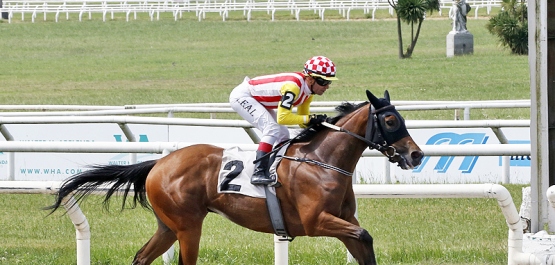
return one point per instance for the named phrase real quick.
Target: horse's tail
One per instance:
(118, 176)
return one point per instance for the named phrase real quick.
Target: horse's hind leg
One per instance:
(160, 242)
(189, 240)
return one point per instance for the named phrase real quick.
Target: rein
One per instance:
(388, 150)
(318, 163)
(373, 133)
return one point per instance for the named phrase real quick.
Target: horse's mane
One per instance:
(344, 109)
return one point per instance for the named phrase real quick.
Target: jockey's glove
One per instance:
(316, 119)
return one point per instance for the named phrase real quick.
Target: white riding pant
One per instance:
(257, 115)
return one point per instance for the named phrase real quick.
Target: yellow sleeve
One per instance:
(285, 115)
(304, 109)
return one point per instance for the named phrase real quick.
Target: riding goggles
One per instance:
(321, 81)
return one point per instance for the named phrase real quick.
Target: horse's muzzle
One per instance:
(409, 161)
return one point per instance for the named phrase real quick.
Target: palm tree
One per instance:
(411, 12)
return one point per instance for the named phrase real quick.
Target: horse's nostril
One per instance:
(417, 155)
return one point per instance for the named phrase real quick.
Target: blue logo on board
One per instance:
(468, 163)
(450, 138)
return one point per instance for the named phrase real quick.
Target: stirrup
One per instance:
(262, 180)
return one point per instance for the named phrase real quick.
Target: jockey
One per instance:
(267, 103)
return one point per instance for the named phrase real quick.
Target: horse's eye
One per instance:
(390, 120)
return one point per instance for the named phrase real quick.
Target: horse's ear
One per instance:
(373, 99)
(376, 102)
(386, 96)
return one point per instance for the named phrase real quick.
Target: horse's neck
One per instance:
(339, 148)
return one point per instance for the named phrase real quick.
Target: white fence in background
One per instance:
(214, 108)
(107, 8)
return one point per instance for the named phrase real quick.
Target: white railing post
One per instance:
(466, 113)
(169, 255)
(11, 165)
(281, 250)
(11, 158)
(506, 160)
(82, 230)
(506, 172)
(131, 138)
(387, 171)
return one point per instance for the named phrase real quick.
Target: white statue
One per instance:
(458, 14)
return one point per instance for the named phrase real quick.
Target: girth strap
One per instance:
(272, 202)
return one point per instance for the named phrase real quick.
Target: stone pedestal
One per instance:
(459, 43)
(4, 14)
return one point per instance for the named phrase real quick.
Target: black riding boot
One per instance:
(261, 175)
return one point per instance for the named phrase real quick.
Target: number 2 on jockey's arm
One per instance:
(285, 115)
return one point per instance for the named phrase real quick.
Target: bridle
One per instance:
(377, 137)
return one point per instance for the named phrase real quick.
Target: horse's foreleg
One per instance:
(357, 240)
(156, 246)
(362, 249)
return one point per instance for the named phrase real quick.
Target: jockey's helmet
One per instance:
(320, 66)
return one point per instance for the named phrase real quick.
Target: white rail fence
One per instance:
(12, 145)
(107, 8)
(213, 108)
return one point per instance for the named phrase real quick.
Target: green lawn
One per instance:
(405, 231)
(144, 62)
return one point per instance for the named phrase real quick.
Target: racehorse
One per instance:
(317, 198)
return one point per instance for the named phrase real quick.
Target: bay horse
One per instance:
(317, 199)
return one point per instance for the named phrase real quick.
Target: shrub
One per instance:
(511, 26)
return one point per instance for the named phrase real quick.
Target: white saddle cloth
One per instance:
(236, 171)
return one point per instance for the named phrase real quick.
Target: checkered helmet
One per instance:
(320, 66)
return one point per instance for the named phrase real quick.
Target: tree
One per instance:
(510, 25)
(411, 12)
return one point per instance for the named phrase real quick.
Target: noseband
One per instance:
(377, 136)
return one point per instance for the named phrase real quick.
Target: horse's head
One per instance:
(386, 132)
